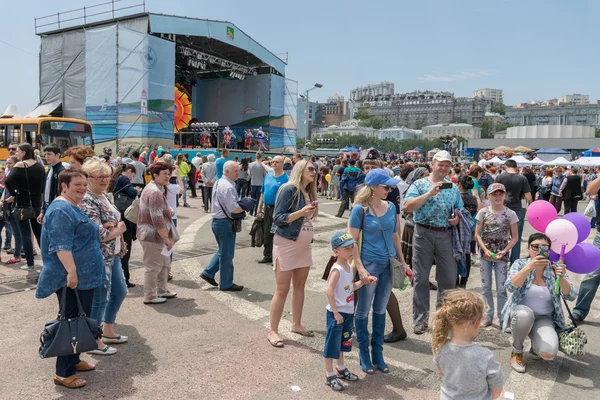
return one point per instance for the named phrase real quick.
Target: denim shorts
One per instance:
(339, 336)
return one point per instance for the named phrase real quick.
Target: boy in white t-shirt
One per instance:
(340, 310)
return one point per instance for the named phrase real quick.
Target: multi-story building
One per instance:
(305, 120)
(335, 113)
(490, 94)
(377, 89)
(574, 99)
(396, 133)
(399, 133)
(334, 98)
(418, 109)
(586, 115)
(465, 130)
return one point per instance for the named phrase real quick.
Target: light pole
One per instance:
(316, 86)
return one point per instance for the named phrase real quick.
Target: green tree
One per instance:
(361, 115)
(419, 124)
(487, 130)
(597, 132)
(300, 143)
(499, 108)
(376, 123)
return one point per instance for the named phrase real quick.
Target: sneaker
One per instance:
(10, 251)
(105, 351)
(186, 205)
(334, 383)
(129, 284)
(115, 339)
(7, 247)
(487, 321)
(508, 330)
(420, 329)
(533, 355)
(517, 363)
(156, 300)
(577, 317)
(27, 268)
(168, 295)
(346, 375)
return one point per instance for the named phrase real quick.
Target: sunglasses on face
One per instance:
(537, 247)
(387, 188)
(12, 149)
(311, 169)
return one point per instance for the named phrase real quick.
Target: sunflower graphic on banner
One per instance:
(183, 108)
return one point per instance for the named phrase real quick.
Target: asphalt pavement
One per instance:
(208, 344)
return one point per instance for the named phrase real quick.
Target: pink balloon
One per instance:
(540, 213)
(561, 231)
(581, 222)
(583, 259)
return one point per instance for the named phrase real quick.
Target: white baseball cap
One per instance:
(442, 155)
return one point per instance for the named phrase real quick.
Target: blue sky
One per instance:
(531, 49)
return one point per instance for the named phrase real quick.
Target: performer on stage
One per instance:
(261, 138)
(205, 138)
(248, 137)
(227, 138)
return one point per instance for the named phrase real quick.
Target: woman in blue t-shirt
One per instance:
(376, 218)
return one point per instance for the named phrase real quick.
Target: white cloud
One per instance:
(460, 76)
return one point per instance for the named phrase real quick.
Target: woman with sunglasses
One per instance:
(533, 309)
(295, 208)
(377, 219)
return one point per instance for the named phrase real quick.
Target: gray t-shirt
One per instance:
(257, 173)
(470, 372)
(140, 171)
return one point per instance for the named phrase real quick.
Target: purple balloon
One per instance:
(554, 257)
(582, 223)
(583, 259)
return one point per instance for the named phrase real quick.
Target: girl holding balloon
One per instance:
(534, 309)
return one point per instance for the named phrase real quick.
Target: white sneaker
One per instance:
(105, 351)
(156, 300)
(167, 295)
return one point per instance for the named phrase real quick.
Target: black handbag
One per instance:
(122, 200)
(67, 336)
(28, 212)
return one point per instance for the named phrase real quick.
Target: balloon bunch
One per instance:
(567, 235)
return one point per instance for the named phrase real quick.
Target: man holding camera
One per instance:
(433, 200)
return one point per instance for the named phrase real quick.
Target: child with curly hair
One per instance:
(468, 370)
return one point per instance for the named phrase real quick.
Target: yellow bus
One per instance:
(65, 132)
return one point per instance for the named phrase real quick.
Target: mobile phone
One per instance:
(314, 203)
(544, 253)
(446, 185)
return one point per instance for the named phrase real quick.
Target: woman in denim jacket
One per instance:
(70, 246)
(295, 208)
(533, 309)
(108, 297)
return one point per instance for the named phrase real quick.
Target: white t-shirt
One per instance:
(173, 191)
(481, 163)
(197, 161)
(344, 291)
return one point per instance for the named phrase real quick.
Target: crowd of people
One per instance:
(442, 214)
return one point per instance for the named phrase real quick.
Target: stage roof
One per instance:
(224, 38)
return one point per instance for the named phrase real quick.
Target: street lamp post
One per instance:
(316, 86)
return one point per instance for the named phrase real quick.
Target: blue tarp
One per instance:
(351, 149)
(420, 150)
(593, 152)
(552, 151)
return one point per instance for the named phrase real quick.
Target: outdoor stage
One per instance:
(142, 79)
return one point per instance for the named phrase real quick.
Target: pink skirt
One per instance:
(294, 254)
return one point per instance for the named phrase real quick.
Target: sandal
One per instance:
(306, 333)
(276, 343)
(84, 366)
(346, 375)
(72, 382)
(13, 261)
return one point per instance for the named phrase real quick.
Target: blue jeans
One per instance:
(587, 289)
(374, 295)
(499, 268)
(241, 185)
(515, 253)
(14, 227)
(255, 194)
(26, 227)
(109, 297)
(222, 261)
(185, 188)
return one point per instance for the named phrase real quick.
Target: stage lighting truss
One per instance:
(198, 60)
(201, 126)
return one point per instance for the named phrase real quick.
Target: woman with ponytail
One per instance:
(460, 318)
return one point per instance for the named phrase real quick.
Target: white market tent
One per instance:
(497, 160)
(587, 161)
(537, 161)
(520, 160)
(560, 161)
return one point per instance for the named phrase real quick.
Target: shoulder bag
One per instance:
(67, 336)
(236, 224)
(122, 200)
(333, 259)
(573, 340)
(28, 212)
(397, 274)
